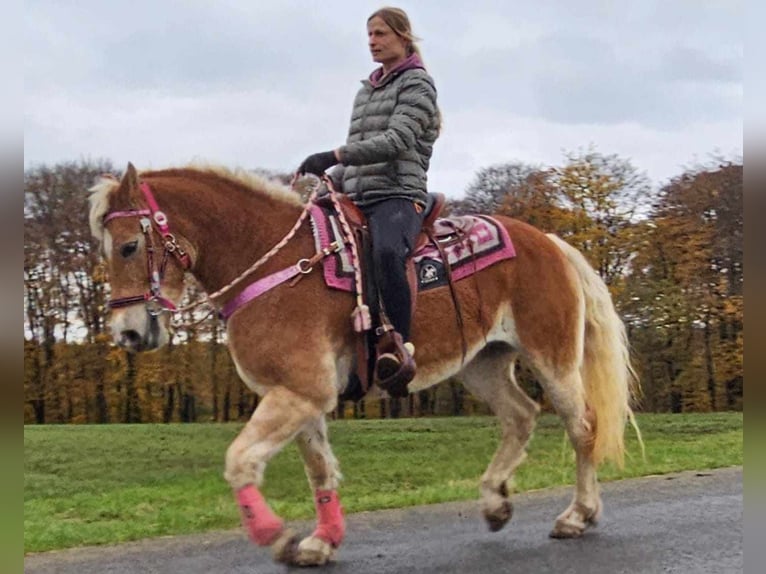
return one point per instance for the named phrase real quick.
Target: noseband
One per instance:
(152, 217)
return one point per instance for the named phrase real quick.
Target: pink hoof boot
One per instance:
(262, 525)
(331, 527)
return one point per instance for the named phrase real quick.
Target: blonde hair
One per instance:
(399, 22)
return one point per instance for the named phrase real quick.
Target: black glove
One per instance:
(317, 163)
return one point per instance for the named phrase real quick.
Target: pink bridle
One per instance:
(155, 302)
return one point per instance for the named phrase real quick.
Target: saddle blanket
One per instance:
(470, 242)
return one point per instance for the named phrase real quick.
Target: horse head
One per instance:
(145, 275)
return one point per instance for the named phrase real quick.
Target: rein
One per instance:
(300, 267)
(294, 272)
(156, 303)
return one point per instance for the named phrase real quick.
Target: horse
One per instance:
(546, 307)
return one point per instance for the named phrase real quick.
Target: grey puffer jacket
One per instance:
(394, 124)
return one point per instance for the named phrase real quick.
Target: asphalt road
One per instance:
(689, 522)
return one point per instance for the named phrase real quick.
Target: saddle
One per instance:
(379, 337)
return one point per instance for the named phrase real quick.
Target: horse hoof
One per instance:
(313, 551)
(499, 517)
(285, 547)
(593, 518)
(566, 529)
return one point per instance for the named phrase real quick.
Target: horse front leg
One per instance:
(324, 476)
(279, 417)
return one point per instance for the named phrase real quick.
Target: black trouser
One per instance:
(394, 225)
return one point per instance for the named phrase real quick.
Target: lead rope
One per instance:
(360, 316)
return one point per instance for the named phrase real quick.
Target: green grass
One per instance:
(86, 485)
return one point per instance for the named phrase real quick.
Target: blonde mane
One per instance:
(252, 180)
(99, 203)
(106, 184)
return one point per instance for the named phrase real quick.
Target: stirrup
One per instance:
(395, 369)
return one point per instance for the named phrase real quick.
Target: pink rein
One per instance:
(302, 267)
(158, 218)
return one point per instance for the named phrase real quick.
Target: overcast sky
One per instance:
(261, 84)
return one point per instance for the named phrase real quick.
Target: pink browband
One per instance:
(117, 214)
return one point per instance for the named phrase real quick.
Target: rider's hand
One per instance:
(317, 163)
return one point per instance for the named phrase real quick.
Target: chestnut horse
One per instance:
(295, 345)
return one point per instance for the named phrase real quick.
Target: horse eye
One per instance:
(128, 249)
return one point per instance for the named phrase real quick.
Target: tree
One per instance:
(491, 185)
(61, 300)
(687, 284)
(604, 193)
(673, 261)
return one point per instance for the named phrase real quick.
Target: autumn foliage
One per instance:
(672, 257)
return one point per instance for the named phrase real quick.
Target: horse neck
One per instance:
(230, 227)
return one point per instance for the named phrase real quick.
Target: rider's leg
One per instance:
(394, 225)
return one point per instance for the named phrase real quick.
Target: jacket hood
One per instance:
(412, 61)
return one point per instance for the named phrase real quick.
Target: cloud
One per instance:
(503, 138)
(262, 84)
(680, 63)
(582, 79)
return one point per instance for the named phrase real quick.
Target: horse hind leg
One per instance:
(490, 377)
(279, 417)
(567, 395)
(324, 476)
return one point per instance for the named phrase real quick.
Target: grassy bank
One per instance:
(88, 485)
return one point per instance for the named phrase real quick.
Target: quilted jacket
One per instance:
(394, 124)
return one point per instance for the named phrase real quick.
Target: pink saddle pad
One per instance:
(470, 242)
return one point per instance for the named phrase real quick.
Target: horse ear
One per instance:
(128, 187)
(131, 177)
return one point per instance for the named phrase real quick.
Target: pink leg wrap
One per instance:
(262, 525)
(331, 527)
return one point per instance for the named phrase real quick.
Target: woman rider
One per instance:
(383, 165)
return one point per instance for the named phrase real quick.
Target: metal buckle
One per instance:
(160, 218)
(304, 266)
(170, 242)
(334, 247)
(382, 330)
(154, 307)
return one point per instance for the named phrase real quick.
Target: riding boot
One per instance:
(395, 366)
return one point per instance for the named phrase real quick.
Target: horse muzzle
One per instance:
(131, 341)
(141, 330)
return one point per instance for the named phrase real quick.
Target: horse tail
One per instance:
(611, 383)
